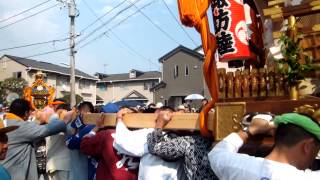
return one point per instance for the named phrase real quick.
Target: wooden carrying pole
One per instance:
(139, 120)
(224, 120)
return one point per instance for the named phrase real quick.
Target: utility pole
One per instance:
(72, 15)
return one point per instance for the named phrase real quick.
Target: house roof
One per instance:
(198, 48)
(178, 49)
(135, 95)
(125, 76)
(158, 86)
(49, 67)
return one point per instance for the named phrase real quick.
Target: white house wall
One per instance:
(117, 91)
(88, 93)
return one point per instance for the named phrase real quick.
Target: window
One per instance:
(4, 64)
(176, 71)
(17, 74)
(63, 81)
(45, 79)
(186, 70)
(132, 74)
(124, 86)
(81, 84)
(102, 86)
(145, 86)
(84, 84)
(87, 84)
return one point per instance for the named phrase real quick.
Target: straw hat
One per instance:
(4, 129)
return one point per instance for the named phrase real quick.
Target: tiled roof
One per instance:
(125, 76)
(45, 66)
(178, 49)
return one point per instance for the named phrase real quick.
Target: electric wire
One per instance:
(178, 22)
(120, 22)
(99, 18)
(34, 44)
(119, 39)
(45, 53)
(154, 24)
(24, 11)
(105, 23)
(46, 9)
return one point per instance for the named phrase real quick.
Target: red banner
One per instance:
(231, 30)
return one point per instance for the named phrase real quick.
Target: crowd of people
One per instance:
(74, 150)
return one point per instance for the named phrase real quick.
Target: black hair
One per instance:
(151, 105)
(164, 108)
(290, 134)
(64, 106)
(149, 110)
(86, 103)
(19, 107)
(59, 99)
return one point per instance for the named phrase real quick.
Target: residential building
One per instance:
(134, 85)
(55, 75)
(182, 76)
(218, 63)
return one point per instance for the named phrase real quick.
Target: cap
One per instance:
(159, 105)
(299, 120)
(181, 107)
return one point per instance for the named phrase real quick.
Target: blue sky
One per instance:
(106, 54)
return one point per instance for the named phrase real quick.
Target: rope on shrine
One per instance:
(193, 14)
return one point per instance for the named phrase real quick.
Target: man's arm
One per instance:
(132, 143)
(169, 149)
(92, 144)
(73, 141)
(224, 157)
(31, 131)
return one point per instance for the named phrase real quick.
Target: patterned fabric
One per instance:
(192, 150)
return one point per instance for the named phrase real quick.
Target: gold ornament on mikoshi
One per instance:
(39, 94)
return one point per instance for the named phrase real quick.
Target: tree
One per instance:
(66, 98)
(12, 85)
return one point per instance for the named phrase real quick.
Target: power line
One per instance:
(174, 17)
(105, 23)
(29, 16)
(99, 18)
(118, 38)
(48, 52)
(133, 50)
(33, 7)
(34, 44)
(123, 20)
(154, 24)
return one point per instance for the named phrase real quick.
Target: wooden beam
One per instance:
(298, 10)
(186, 121)
(316, 27)
(275, 2)
(226, 118)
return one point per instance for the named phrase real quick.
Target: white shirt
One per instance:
(229, 165)
(58, 155)
(134, 143)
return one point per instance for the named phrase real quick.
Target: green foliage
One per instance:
(66, 98)
(9, 85)
(2, 93)
(291, 65)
